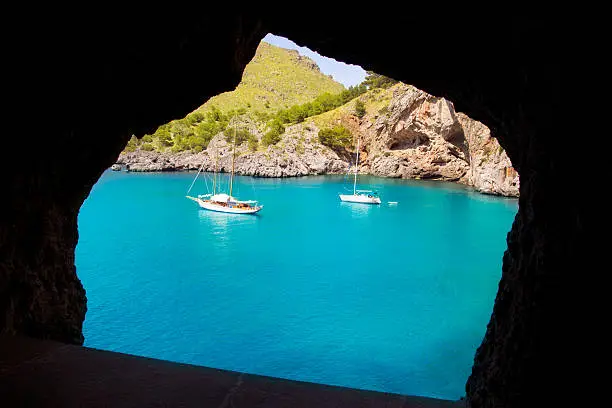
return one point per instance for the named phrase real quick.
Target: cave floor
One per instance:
(40, 373)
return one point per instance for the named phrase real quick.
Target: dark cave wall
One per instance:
(505, 72)
(40, 294)
(100, 83)
(81, 88)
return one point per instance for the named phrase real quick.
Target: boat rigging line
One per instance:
(196, 177)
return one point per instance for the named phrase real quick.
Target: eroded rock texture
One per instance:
(296, 155)
(490, 170)
(101, 82)
(416, 135)
(420, 136)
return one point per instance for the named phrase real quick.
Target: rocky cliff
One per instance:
(298, 154)
(412, 135)
(418, 136)
(421, 136)
(490, 168)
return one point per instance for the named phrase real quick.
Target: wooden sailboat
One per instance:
(360, 196)
(222, 202)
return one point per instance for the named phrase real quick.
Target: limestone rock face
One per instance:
(297, 154)
(490, 168)
(420, 136)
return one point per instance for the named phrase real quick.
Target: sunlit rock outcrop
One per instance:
(418, 136)
(490, 170)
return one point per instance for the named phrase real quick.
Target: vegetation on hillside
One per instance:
(374, 80)
(360, 109)
(273, 135)
(336, 138)
(276, 78)
(295, 78)
(197, 129)
(238, 136)
(323, 103)
(375, 101)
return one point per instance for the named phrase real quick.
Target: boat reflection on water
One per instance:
(220, 222)
(358, 210)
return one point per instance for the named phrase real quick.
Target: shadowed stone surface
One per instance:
(35, 373)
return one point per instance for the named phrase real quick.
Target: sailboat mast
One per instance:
(233, 159)
(215, 174)
(356, 167)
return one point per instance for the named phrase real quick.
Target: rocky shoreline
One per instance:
(418, 136)
(294, 156)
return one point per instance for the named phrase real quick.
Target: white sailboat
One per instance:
(360, 196)
(222, 202)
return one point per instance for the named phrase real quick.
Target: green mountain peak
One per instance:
(276, 78)
(277, 81)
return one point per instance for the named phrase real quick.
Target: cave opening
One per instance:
(80, 71)
(194, 294)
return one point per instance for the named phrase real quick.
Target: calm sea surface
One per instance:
(392, 298)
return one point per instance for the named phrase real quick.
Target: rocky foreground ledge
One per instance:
(418, 136)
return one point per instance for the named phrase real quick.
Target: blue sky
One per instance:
(346, 74)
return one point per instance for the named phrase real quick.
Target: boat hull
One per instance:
(360, 199)
(210, 206)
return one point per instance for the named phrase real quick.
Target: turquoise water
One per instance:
(388, 298)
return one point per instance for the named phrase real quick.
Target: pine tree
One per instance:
(360, 109)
